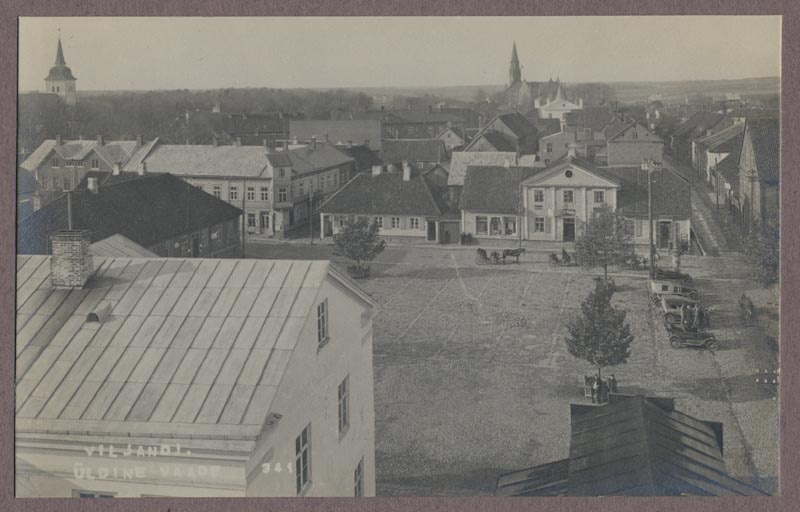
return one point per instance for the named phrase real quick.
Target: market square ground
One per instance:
(472, 377)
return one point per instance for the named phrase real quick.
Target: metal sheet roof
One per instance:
(196, 342)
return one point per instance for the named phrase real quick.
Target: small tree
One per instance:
(600, 334)
(359, 241)
(762, 252)
(604, 240)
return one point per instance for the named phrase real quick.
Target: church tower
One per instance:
(515, 72)
(60, 80)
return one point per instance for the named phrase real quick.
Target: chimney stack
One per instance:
(59, 140)
(377, 170)
(71, 263)
(139, 140)
(92, 185)
(142, 168)
(100, 140)
(571, 150)
(116, 169)
(406, 171)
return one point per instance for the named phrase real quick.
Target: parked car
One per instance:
(671, 275)
(660, 287)
(671, 307)
(679, 337)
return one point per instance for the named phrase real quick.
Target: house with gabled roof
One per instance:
(712, 149)
(190, 377)
(510, 132)
(406, 205)
(697, 125)
(632, 143)
(760, 175)
(663, 452)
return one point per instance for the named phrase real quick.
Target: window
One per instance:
(217, 191)
(233, 193)
(510, 225)
(336, 180)
(639, 228)
(635, 134)
(95, 164)
(395, 222)
(251, 220)
(599, 196)
(358, 477)
(481, 226)
(322, 322)
(379, 221)
(538, 195)
(251, 193)
(569, 196)
(55, 163)
(264, 193)
(67, 184)
(630, 227)
(344, 405)
(281, 195)
(56, 184)
(301, 188)
(264, 220)
(494, 226)
(414, 223)
(281, 172)
(538, 225)
(549, 147)
(302, 454)
(200, 186)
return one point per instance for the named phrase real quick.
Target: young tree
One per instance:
(359, 241)
(600, 334)
(604, 240)
(762, 252)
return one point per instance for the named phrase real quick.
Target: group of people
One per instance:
(694, 317)
(601, 388)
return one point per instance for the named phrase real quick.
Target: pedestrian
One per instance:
(596, 390)
(683, 315)
(591, 381)
(612, 383)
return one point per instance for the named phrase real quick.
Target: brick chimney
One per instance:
(406, 171)
(142, 169)
(92, 185)
(116, 169)
(100, 140)
(71, 263)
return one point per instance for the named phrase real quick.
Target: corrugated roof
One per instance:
(339, 132)
(494, 189)
(385, 194)
(633, 446)
(147, 209)
(204, 160)
(460, 160)
(190, 344)
(413, 150)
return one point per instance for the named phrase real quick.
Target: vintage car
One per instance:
(672, 275)
(671, 307)
(679, 337)
(661, 287)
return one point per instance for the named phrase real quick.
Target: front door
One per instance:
(195, 246)
(431, 230)
(569, 230)
(264, 220)
(327, 226)
(663, 235)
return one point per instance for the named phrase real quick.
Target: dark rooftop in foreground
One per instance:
(633, 446)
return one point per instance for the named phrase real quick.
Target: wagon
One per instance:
(679, 338)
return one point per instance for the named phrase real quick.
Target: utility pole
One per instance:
(311, 215)
(647, 165)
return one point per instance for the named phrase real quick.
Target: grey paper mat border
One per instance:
(790, 298)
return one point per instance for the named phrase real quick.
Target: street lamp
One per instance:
(648, 165)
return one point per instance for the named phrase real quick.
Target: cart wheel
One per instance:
(670, 318)
(675, 342)
(711, 345)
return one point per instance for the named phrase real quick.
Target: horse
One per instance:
(514, 253)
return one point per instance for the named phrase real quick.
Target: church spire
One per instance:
(515, 72)
(60, 53)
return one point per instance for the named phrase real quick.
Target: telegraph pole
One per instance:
(648, 166)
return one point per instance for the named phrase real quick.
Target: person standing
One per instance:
(612, 383)
(596, 390)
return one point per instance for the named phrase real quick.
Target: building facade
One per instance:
(225, 378)
(632, 144)
(759, 175)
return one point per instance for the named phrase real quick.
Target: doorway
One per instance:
(431, 230)
(569, 230)
(664, 237)
(195, 245)
(327, 226)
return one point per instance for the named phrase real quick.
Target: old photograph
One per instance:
(397, 256)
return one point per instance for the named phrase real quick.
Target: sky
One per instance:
(209, 53)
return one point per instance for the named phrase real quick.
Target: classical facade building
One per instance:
(60, 80)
